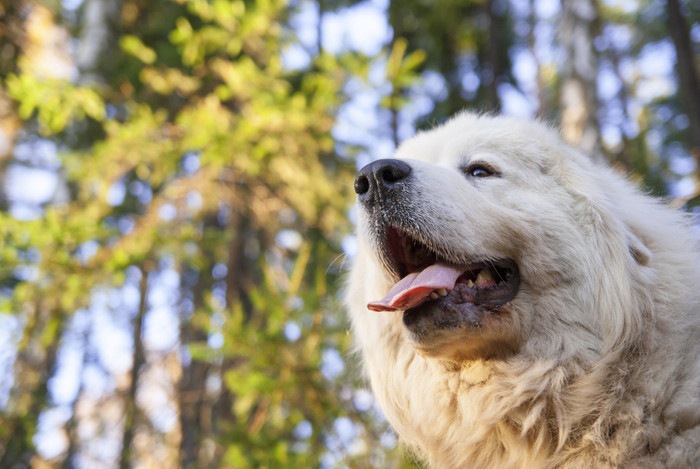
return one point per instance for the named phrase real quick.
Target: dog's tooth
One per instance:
(484, 276)
(442, 292)
(470, 284)
(434, 296)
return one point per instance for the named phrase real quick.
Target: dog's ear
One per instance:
(638, 249)
(599, 202)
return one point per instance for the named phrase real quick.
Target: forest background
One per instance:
(176, 199)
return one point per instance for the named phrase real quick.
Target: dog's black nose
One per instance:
(380, 176)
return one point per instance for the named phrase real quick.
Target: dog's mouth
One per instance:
(427, 279)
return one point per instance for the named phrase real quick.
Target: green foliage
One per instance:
(56, 103)
(402, 73)
(266, 163)
(132, 45)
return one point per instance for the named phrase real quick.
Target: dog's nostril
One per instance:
(391, 171)
(361, 184)
(390, 174)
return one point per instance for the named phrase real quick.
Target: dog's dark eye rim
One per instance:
(480, 170)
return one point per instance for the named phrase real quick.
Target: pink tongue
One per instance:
(414, 288)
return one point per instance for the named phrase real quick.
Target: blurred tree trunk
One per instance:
(687, 73)
(240, 274)
(138, 360)
(9, 125)
(621, 155)
(578, 99)
(193, 402)
(203, 414)
(319, 27)
(240, 279)
(394, 108)
(34, 366)
(543, 89)
(74, 447)
(35, 361)
(12, 37)
(99, 26)
(493, 66)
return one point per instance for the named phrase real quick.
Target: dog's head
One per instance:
(484, 226)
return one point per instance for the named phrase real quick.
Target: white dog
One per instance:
(517, 305)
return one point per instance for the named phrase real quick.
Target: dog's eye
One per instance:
(479, 170)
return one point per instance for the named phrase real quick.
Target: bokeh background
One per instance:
(176, 200)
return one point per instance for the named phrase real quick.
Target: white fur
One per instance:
(606, 367)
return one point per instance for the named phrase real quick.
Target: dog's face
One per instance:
(469, 228)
